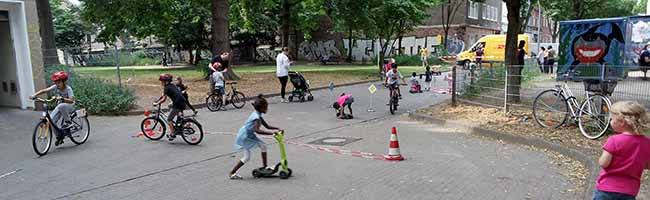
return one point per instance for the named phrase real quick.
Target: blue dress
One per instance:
(246, 138)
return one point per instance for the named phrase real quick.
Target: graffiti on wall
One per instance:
(315, 50)
(589, 46)
(364, 50)
(265, 53)
(455, 45)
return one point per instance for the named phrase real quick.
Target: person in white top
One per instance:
(282, 70)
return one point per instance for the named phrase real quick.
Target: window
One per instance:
(473, 10)
(490, 12)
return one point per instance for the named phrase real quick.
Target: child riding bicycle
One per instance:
(219, 84)
(178, 101)
(65, 100)
(393, 78)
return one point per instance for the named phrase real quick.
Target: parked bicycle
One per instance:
(215, 101)
(552, 107)
(78, 131)
(154, 127)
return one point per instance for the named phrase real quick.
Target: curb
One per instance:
(139, 111)
(585, 159)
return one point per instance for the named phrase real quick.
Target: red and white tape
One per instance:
(340, 151)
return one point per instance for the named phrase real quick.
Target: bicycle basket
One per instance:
(601, 87)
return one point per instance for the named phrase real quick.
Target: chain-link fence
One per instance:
(502, 87)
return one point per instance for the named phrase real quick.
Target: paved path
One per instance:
(115, 165)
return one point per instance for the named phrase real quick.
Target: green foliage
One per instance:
(560, 10)
(69, 30)
(406, 60)
(202, 66)
(183, 23)
(138, 58)
(98, 96)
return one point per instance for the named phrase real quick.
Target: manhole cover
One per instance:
(334, 141)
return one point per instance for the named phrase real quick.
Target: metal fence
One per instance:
(490, 86)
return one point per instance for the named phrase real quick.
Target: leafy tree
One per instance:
(70, 32)
(514, 28)
(391, 18)
(350, 16)
(449, 8)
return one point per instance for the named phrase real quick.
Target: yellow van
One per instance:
(495, 49)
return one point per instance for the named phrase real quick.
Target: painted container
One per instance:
(593, 48)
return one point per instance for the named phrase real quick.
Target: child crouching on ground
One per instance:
(247, 140)
(340, 104)
(625, 155)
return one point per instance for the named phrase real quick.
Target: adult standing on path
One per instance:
(644, 60)
(282, 70)
(215, 64)
(550, 59)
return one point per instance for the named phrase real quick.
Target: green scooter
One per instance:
(282, 166)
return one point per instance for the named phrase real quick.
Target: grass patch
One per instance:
(193, 72)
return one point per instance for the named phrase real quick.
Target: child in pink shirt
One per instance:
(340, 104)
(625, 155)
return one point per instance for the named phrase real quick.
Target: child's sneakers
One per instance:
(235, 177)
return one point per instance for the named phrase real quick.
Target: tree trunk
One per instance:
(512, 64)
(46, 29)
(285, 17)
(220, 33)
(191, 55)
(349, 59)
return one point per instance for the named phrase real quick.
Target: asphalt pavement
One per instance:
(117, 164)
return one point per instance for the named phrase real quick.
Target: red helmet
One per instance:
(59, 76)
(165, 77)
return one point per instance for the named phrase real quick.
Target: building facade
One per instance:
(21, 60)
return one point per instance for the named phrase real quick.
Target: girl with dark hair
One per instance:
(247, 140)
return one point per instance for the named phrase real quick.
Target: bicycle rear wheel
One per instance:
(393, 105)
(594, 118)
(213, 102)
(153, 128)
(42, 138)
(238, 100)
(192, 132)
(550, 109)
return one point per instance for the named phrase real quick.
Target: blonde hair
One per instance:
(632, 113)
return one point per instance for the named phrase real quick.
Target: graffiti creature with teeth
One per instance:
(591, 47)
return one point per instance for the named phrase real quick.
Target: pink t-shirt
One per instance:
(342, 99)
(630, 155)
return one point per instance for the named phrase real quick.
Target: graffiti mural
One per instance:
(365, 50)
(455, 45)
(265, 53)
(592, 48)
(316, 49)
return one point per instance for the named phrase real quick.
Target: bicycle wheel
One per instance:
(238, 100)
(42, 138)
(153, 128)
(80, 131)
(192, 132)
(392, 106)
(594, 118)
(213, 102)
(550, 109)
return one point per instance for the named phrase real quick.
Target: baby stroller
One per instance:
(300, 88)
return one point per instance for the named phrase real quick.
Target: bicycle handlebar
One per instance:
(44, 100)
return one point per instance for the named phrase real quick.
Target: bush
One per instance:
(98, 96)
(202, 67)
(137, 58)
(406, 60)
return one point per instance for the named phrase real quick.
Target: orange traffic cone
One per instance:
(393, 148)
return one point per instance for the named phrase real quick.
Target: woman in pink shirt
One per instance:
(341, 102)
(625, 155)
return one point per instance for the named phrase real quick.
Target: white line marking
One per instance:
(9, 173)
